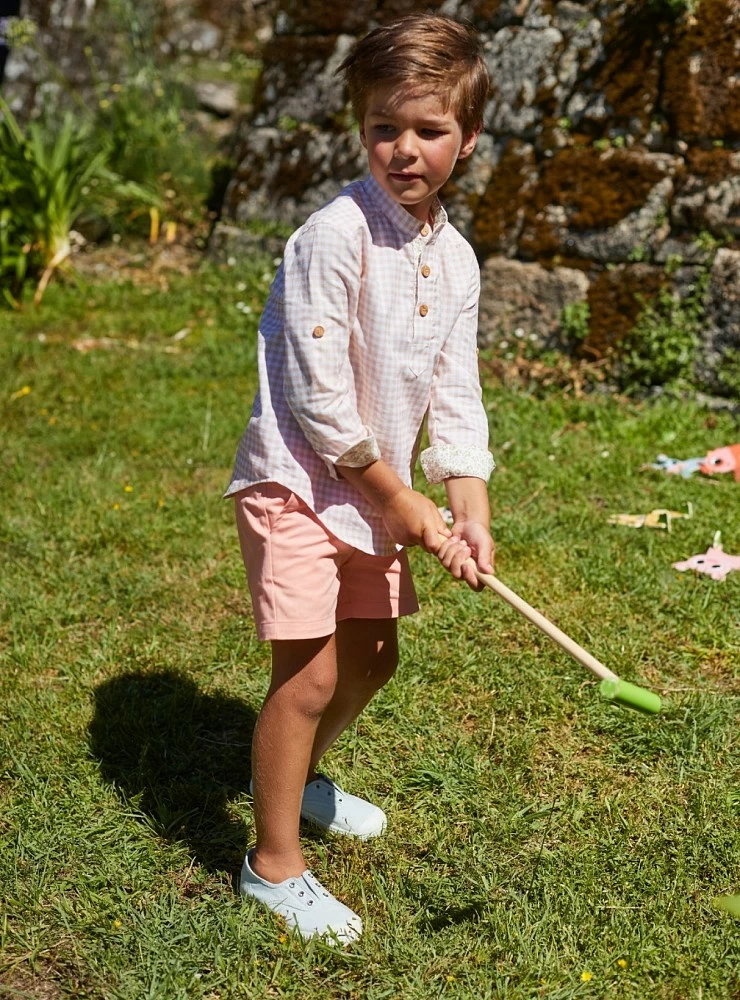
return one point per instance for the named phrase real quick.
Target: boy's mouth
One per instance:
(398, 176)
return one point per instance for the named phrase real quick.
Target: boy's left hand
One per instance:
(470, 540)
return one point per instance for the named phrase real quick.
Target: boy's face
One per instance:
(412, 145)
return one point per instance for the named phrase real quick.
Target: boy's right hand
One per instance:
(413, 519)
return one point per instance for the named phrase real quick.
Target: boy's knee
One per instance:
(318, 684)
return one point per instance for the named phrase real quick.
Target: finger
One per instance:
(432, 538)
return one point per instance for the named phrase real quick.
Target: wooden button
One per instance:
(423, 310)
(426, 271)
(425, 231)
(318, 331)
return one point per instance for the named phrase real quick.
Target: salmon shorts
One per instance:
(302, 578)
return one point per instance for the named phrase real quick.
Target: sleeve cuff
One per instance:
(444, 460)
(356, 457)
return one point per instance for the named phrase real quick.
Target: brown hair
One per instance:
(426, 51)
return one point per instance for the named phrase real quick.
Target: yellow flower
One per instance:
(21, 392)
(160, 502)
(52, 421)
(586, 976)
(283, 938)
(116, 506)
(115, 87)
(128, 488)
(44, 412)
(622, 963)
(105, 103)
(450, 979)
(117, 924)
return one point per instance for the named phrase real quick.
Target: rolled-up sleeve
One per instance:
(457, 422)
(322, 270)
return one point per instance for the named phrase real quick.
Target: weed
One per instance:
(46, 179)
(574, 323)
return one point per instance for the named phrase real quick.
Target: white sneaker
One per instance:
(304, 903)
(330, 807)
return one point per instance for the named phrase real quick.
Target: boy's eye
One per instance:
(431, 133)
(383, 129)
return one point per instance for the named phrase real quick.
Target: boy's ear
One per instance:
(468, 144)
(363, 137)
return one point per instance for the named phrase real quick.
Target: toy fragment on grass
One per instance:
(658, 518)
(715, 562)
(683, 467)
(722, 460)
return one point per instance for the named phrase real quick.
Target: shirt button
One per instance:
(318, 331)
(426, 271)
(423, 310)
(425, 231)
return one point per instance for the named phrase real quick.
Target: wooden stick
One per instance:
(565, 642)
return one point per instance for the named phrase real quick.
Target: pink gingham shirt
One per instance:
(370, 326)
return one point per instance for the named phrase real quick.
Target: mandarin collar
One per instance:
(403, 220)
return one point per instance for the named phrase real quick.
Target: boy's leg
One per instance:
(366, 659)
(304, 682)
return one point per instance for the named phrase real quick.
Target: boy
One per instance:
(370, 326)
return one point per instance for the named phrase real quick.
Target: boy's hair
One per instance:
(426, 52)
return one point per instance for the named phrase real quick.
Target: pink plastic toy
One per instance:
(714, 562)
(723, 460)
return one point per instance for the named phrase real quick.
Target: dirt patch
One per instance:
(20, 981)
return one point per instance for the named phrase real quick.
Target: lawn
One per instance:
(541, 842)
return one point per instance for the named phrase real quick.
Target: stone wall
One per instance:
(80, 41)
(611, 142)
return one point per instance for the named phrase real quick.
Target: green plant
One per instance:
(574, 322)
(661, 346)
(46, 179)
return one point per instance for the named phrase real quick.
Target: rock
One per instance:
(299, 82)
(500, 212)
(719, 364)
(195, 36)
(702, 73)
(218, 97)
(462, 194)
(286, 176)
(600, 206)
(521, 63)
(526, 296)
(710, 200)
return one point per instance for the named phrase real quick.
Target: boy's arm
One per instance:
(410, 517)
(322, 275)
(458, 454)
(457, 421)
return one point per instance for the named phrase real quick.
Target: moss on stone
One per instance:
(288, 61)
(499, 212)
(712, 165)
(588, 190)
(629, 77)
(616, 298)
(702, 58)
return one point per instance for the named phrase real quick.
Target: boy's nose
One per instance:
(406, 145)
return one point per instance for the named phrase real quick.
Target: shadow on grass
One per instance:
(177, 755)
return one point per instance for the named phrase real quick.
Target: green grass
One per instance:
(536, 833)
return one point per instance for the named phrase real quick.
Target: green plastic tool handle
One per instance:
(630, 695)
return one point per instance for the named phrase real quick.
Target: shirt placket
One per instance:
(425, 307)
